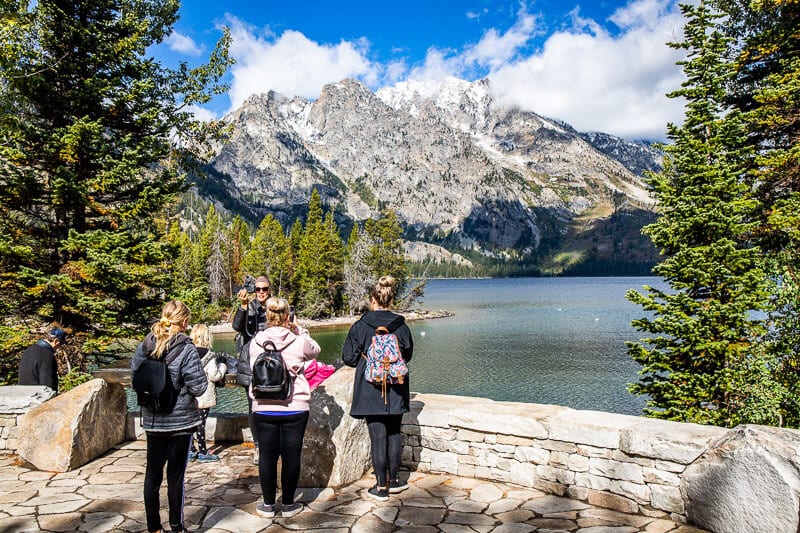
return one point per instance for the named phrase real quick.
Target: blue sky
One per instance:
(598, 65)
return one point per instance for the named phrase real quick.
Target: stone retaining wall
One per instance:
(15, 401)
(626, 463)
(725, 480)
(743, 479)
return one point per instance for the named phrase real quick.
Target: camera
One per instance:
(291, 314)
(249, 285)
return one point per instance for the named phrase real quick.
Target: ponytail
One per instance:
(173, 317)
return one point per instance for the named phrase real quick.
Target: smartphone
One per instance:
(291, 314)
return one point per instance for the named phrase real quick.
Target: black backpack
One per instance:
(271, 379)
(153, 384)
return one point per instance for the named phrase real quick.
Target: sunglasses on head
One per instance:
(262, 289)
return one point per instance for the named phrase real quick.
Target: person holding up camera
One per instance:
(250, 318)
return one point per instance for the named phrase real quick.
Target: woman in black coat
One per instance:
(383, 414)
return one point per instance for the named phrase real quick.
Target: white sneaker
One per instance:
(255, 455)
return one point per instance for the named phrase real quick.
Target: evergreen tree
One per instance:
(209, 233)
(216, 264)
(698, 364)
(268, 254)
(295, 236)
(387, 255)
(87, 158)
(238, 245)
(765, 50)
(318, 267)
(181, 268)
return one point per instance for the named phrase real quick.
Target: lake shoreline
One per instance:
(343, 321)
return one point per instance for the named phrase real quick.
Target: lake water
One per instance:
(540, 340)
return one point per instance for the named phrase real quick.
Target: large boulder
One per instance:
(73, 428)
(749, 480)
(336, 449)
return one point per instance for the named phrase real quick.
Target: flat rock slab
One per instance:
(221, 498)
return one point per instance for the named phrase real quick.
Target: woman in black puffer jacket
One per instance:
(169, 435)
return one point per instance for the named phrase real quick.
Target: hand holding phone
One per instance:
(291, 314)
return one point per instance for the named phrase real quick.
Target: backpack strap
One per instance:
(274, 348)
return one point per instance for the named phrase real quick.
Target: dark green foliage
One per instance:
(87, 159)
(765, 88)
(701, 363)
(318, 264)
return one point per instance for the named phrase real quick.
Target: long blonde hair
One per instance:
(277, 311)
(173, 318)
(384, 291)
(201, 336)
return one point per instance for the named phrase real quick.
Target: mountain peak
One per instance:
(459, 171)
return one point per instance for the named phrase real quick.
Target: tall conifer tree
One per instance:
(87, 157)
(387, 255)
(698, 365)
(318, 263)
(765, 50)
(269, 255)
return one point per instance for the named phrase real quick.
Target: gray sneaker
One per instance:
(267, 511)
(288, 511)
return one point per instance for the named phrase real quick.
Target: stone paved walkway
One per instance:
(106, 495)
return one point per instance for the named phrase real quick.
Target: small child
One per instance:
(215, 372)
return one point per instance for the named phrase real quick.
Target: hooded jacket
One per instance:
(187, 375)
(367, 398)
(296, 349)
(215, 372)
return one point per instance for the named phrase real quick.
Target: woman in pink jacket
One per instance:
(281, 424)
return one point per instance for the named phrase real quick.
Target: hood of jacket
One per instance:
(389, 320)
(176, 342)
(282, 337)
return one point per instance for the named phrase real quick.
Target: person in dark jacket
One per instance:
(169, 435)
(250, 318)
(37, 366)
(383, 415)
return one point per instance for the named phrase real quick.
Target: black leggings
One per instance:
(172, 450)
(387, 445)
(200, 434)
(280, 436)
(251, 417)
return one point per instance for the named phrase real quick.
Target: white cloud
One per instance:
(475, 15)
(596, 81)
(591, 78)
(292, 64)
(201, 113)
(183, 44)
(494, 50)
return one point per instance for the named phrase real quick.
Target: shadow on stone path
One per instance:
(106, 495)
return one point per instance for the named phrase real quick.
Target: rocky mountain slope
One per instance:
(488, 183)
